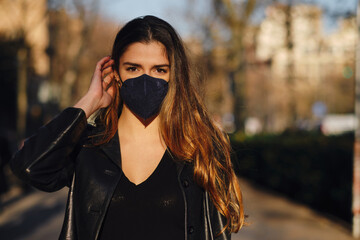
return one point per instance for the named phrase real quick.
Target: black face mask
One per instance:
(144, 94)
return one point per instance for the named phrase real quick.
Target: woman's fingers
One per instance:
(101, 89)
(108, 85)
(99, 66)
(108, 78)
(111, 90)
(107, 68)
(108, 64)
(108, 93)
(106, 72)
(107, 81)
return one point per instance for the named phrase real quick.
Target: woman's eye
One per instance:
(161, 70)
(131, 69)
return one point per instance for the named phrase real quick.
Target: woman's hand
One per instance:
(101, 90)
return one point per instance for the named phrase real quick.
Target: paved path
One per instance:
(276, 218)
(39, 215)
(36, 216)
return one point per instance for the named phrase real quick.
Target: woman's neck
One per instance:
(132, 128)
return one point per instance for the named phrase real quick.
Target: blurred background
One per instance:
(278, 76)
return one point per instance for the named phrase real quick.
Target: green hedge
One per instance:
(309, 168)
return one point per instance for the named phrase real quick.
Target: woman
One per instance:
(155, 166)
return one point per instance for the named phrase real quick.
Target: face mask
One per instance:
(144, 94)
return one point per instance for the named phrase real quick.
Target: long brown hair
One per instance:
(185, 125)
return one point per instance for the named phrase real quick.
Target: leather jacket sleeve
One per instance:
(46, 159)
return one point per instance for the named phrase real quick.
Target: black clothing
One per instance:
(5, 156)
(136, 211)
(58, 156)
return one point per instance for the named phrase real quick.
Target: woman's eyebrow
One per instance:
(139, 65)
(132, 64)
(162, 65)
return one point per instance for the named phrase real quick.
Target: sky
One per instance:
(129, 9)
(334, 9)
(172, 11)
(175, 12)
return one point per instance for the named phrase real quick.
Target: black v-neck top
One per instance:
(153, 209)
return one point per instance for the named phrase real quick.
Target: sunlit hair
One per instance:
(185, 125)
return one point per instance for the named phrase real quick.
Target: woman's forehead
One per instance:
(138, 52)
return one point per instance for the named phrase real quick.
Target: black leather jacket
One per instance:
(56, 157)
